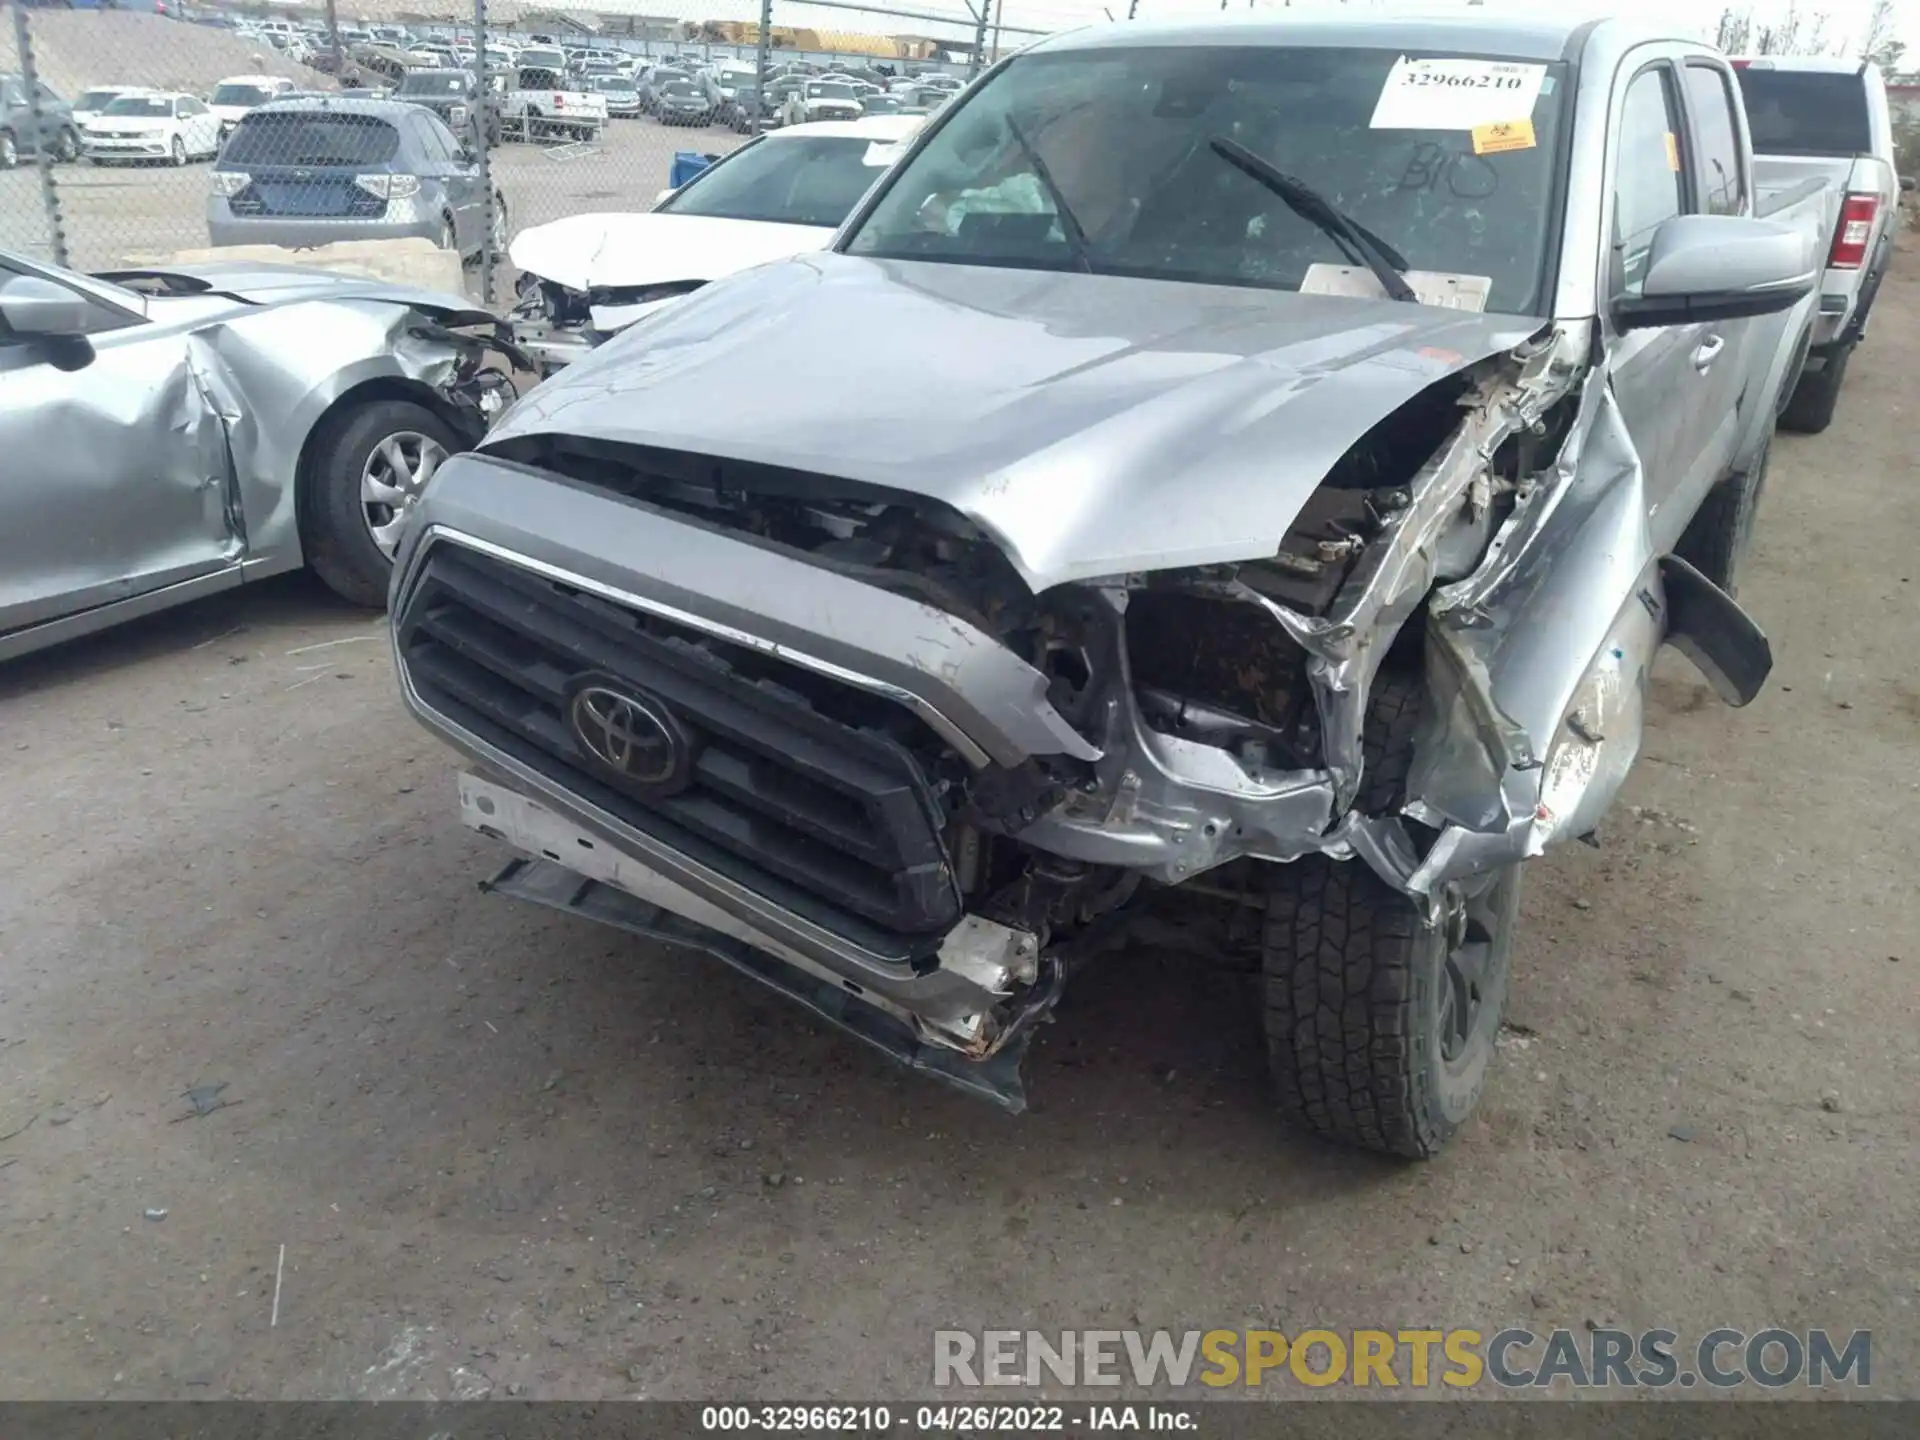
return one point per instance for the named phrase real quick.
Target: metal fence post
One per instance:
(333, 43)
(484, 113)
(763, 59)
(979, 36)
(42, 142)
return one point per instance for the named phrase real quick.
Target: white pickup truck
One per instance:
(545, 104)
(1816, 117)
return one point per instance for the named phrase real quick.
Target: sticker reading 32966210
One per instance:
(1456, 94)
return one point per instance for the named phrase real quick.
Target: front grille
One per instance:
(794, 798)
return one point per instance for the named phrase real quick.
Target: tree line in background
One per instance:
(1797, 31)
(1807, 32)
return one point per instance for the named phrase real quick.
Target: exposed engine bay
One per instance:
(1221, 706)
(556, 325)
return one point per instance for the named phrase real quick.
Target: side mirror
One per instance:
(1719, 267)
(32, 306)
(663, 196)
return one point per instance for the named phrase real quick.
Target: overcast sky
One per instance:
(1846, 19)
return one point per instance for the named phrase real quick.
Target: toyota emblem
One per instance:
(630, 736)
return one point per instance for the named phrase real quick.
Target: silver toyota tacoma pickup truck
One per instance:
(1224, 488)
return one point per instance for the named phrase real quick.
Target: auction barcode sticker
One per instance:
(1456, 94)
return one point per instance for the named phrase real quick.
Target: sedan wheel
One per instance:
(371, 463)
(67, 148)
(9, 150)
(391, 481)
(178, 150)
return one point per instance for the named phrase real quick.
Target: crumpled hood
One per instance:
(266, 284)
(583, 252)
(1092, 424)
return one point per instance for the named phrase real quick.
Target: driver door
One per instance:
(116, 482)
(1659, 388)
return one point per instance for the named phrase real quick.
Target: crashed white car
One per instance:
(587, 276)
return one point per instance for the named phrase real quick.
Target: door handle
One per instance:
(1707, 352)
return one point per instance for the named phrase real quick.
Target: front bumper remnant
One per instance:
(595, 883)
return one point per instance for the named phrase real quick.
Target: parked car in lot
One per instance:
(682, 102)
(28, 122)
(821, 100)
(586, 277)
(1828, 119)
(776, 94)
(180, 431)
(544, 104)
(91, 101)
(1114, 533)
(454, 96)
(309, 172)
(237, 95)
(654, 79)
(741, 108)
(171, 128)
(621, 94)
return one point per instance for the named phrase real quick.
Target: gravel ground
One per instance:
(499, 1141)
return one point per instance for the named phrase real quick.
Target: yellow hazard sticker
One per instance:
(1673, 152)
(1503, 136)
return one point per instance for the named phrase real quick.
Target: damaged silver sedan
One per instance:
(169, 433)
(1255, 476)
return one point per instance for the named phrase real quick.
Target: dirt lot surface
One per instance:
(506, 1150)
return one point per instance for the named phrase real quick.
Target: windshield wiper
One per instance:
(1076, 238)
(1356, 242)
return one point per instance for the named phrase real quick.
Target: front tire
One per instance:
(369, 465)
(1380, 1031)
(9, 150)
(177, 152)
(66, 149)
(1717, 539)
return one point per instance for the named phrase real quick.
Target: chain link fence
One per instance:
(132, 130)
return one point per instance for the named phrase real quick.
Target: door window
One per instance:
(1649, 186)
(1710, 102)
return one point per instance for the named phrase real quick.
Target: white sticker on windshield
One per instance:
(882, 153)
(1456, 94)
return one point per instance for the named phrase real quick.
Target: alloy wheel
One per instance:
(396, 472)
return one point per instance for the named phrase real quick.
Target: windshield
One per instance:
(432, 83)
(288, 137)
(1126, 136)
(543, 59)
(882, 104)
(148, 105)
(810, 181)
(829, 92)
(612, 82)
(240, 95)
(96, 99)
(679, 90)
(1802, 112)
